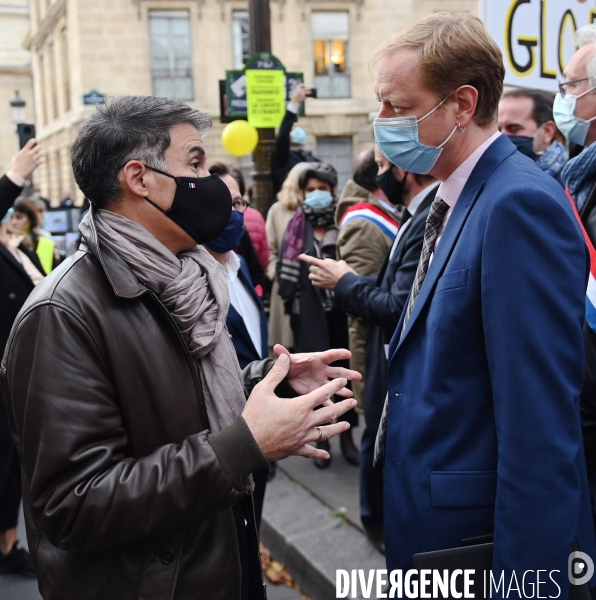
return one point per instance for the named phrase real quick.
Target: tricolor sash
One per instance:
(370, 212)
(591, 291)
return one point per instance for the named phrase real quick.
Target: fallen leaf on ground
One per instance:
(277, 573)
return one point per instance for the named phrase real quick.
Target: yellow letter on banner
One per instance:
(527, 41)
(266, 97)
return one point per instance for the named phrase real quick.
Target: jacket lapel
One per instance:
(498, 151)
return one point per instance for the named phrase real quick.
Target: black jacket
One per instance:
(15, 284)
(379, 302)
(286, 157)
(314, 329)
(127, 493)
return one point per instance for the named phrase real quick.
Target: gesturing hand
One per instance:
(310, 370)
(325, 273)
(285, 426)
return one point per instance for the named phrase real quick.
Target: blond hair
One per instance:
(454, 49)
(290, 196)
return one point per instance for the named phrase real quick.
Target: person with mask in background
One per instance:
(289, 199)
(20, 271)
(379, 302)
(131, 418)
(575, 115)
(526, 118)
(368, 223)
(246, 319)
(245, 248)
(290, 143)
(317, 323)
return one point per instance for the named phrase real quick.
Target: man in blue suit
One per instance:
(481, 432)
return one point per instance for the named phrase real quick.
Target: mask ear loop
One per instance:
(435, 108)
(450, 136)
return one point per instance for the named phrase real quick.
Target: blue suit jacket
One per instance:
(245, 349)
(483, 429)
(379, 303)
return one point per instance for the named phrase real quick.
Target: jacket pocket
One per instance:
(452, 280)
(463, 488)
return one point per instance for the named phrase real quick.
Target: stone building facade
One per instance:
(182, 48)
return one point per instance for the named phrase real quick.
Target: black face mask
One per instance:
(392, 188)
(524, 145)
(201, 206)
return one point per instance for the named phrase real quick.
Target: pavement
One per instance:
(310, 524)
(18, 588)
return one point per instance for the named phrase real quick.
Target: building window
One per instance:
(171, 54)
(65, 68)
(43, 108)
(240, 38)
(51, 58)
(330, 34)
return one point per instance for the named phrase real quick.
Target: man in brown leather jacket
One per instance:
(125, 405)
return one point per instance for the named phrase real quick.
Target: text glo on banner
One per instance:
(536, 37)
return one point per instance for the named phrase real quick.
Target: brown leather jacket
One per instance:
(127, 493)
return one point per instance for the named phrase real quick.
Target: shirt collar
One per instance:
(452, 187)
(233, 264)
(390, 207)
(416, 201)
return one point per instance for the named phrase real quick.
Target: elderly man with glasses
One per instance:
(575, 115)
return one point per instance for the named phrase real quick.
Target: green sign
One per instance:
(233, 91)
(266, 96)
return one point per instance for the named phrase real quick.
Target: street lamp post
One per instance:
(259, 18)
(17, 109)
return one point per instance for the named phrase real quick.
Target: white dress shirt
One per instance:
(415, 203)
(451, 189)
(242, 300)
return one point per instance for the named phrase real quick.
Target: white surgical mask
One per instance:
(398, 140)
(572, 127)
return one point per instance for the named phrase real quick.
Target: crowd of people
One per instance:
(454, 271)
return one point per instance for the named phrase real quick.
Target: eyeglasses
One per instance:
(562, 85)
(240, 205)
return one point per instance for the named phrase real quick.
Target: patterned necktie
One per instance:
(437, 213)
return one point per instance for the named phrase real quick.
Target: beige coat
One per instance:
(363, 245)
(280, 331)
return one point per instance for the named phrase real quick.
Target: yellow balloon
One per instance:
(239, 137)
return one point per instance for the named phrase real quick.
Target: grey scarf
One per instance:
(194, 290)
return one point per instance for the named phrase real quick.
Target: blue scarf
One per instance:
(553, 160)
(579, 175)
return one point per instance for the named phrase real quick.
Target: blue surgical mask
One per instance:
(572, 127)
(229, 238)
(318, 200)
(398, 140)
